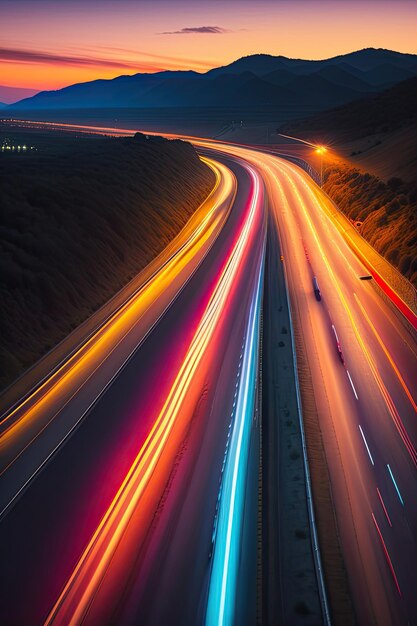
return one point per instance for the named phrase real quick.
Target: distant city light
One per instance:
(8, 145)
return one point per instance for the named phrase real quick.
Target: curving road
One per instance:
(366, 404)
(135, 460)
(129, 509)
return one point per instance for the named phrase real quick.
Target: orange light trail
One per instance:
(388, 400)
(387, 354)
(79, 592)
(23, 425)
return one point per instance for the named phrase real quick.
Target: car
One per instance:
(338, 347)
(340, 353)
(316, 288)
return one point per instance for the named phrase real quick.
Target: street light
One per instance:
(321, 150)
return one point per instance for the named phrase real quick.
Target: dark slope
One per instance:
(386, 111)
(78, 219)
(378, 135)
(123, 91)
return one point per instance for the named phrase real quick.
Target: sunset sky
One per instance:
(49, 44)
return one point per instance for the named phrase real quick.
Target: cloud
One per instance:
(144, 63)
(198, 30)
(13, 55)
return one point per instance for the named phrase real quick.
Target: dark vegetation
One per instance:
(385, 200)
(78, 219)
(388, 212)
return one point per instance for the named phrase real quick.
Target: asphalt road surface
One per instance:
(129, 520)
(128, 489)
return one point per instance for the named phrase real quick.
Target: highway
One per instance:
(128, 489)
(118, 487)
(366, 405)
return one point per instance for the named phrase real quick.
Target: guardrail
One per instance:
(309, 492)
(388, 290)
(310, 505)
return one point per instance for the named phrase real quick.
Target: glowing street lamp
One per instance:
(321, 150)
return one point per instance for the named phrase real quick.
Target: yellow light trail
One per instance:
(73, 603)
(387, 354)
(76, 371)
(385, 394)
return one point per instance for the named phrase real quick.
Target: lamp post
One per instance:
(321, 150)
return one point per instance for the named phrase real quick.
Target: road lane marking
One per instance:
(353, 386)
(395, 484)
(366, 445)
(213, 536)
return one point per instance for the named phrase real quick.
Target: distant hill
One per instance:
(371, 169)
(257, 80)
(384, 112)
(374, 67)
(67, 246)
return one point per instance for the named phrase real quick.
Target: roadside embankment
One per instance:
(80, 216)
(384, 214)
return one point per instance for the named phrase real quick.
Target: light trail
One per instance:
(389, 403)
(229, 432)
(222, 593)
(319, 199)
(82, 586)
(23, 425)
(387, 354)
(395, 485)
(384, 508)
(291, 191)
(387, 556)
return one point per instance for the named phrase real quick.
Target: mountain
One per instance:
(257, 80)
(388, 74)
(342, 77)
(258, 64)
(358, 61)
(3, 105)
(378, 132)
(123, 91)
(383, 112)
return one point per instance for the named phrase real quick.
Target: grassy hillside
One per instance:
(388, 212)
(78, 218)
(375, 134)
(371, 170)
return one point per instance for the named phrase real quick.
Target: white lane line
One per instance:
(366, 444)
(353, 386)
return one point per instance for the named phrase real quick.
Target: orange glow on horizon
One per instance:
(65, 43)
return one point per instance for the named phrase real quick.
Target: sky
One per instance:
(46, 44)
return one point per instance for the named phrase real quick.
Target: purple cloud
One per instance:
(198, 30)
(11, 55)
